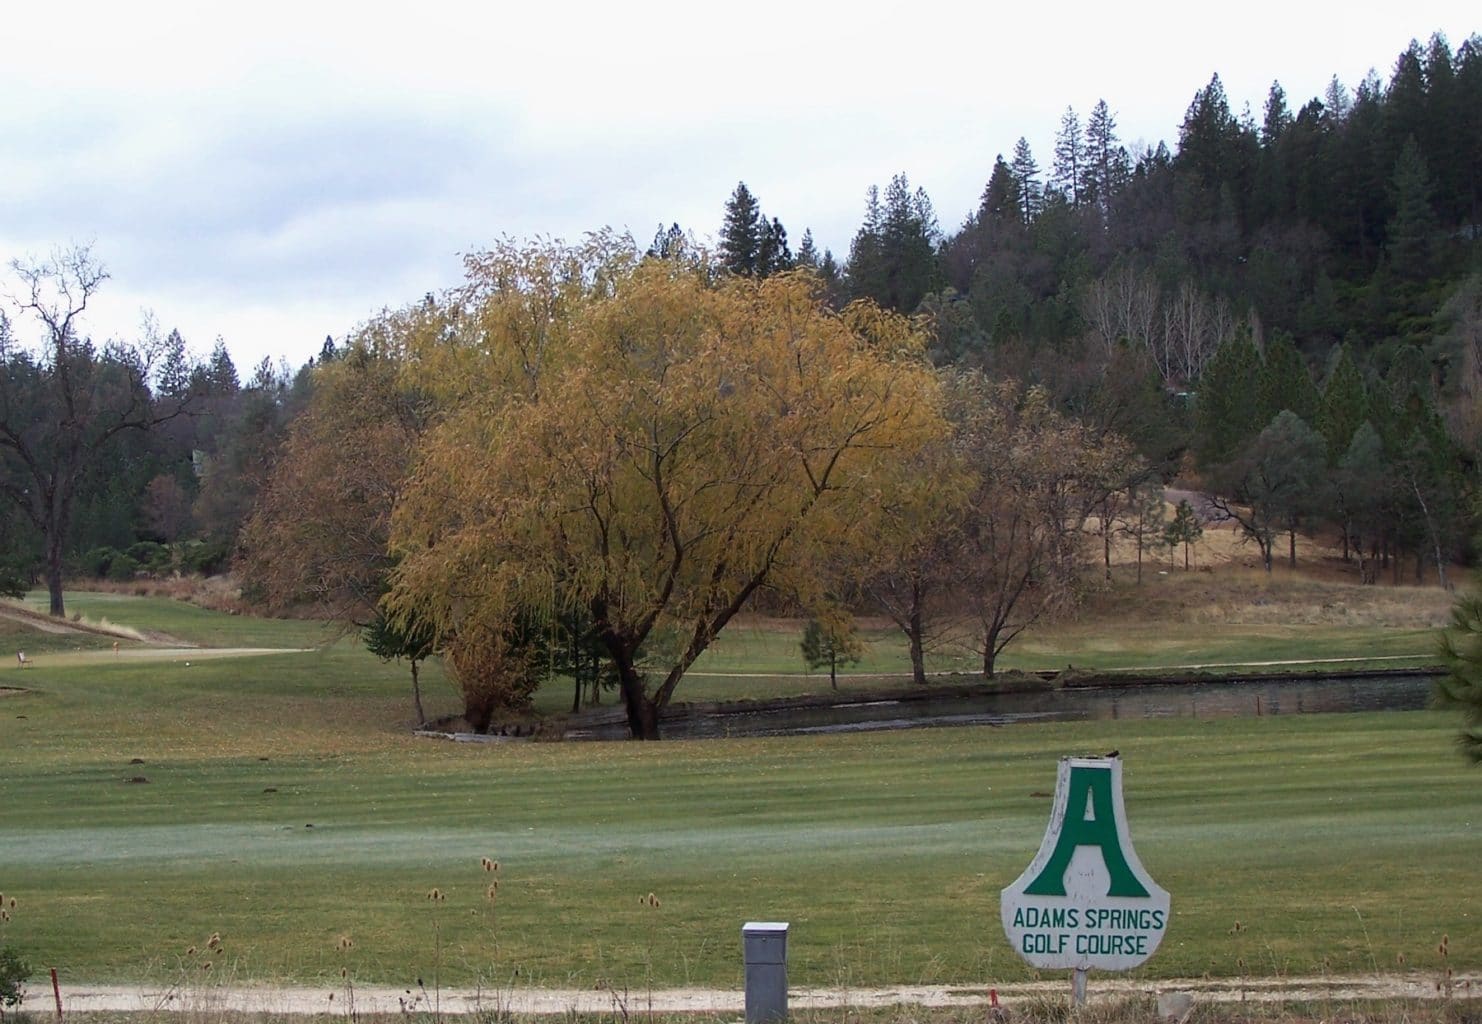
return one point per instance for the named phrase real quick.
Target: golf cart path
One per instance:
(195, 997)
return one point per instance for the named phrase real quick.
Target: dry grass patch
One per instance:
(214, 593)
(1236, 595)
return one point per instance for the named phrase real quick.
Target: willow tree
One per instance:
(700, 437)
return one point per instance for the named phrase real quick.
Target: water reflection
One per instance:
(1197, 700)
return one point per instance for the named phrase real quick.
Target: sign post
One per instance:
(1085, 900)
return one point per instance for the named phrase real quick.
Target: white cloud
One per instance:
(277, 171)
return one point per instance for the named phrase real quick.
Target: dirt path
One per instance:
(41, 623)
(184, 656)
(47, 624)
(334, 999)
(167, 647)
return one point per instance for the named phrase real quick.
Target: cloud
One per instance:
(239, 167)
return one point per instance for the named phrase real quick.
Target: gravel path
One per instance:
(328, 999)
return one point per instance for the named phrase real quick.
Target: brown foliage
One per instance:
(320, 529)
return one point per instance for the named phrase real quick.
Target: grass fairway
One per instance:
(1339, 842)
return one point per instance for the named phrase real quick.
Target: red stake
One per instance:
(993, 997)
(56, 990)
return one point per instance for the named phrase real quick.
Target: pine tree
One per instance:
(1336, 100)
(1344, 405)
(1362, 484)
(1106, 161)
(1183, 529)
(174, 375)
(1068, 171)
(1461, 687)
(1285, 383)
(808, 255)
(773, 254)
(741, 233)
(1411, 232)
(1206, 137)
(669, 243)
(893, 258)
(1227, 412)
(1278, 118)
(221, 372)
(1001, 202)
(1026, 178)
(833, 278)
(831, 639)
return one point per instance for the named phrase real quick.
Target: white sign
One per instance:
(1086, 901)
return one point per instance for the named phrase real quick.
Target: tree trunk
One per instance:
(833, 671)
(914, 635)
(918, 661)
(1291, 556)
(643, 712)
(990, 651)
(1106, 546)
(417, 695)
(1186, 556)
(54, 573)
(1430, 526)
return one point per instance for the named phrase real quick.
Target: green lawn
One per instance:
(1340, 842)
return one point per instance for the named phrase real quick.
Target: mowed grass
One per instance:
(1339, 842)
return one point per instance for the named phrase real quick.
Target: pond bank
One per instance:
(1008, 699)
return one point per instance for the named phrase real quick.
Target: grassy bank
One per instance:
(1340, 843)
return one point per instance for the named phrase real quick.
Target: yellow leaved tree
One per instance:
(647, 444)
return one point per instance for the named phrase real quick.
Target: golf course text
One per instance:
(1086, 900)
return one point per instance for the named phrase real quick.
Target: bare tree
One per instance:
(62, 406)
(1192, 328)
(1038, 475)
(1123, 305)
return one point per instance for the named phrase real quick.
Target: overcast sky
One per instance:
(282, 172)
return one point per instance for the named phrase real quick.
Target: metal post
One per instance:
(1078, 988)
(764, 946)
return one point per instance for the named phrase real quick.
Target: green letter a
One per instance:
(1093, 787)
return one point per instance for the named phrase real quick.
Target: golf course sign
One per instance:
(1086, 901)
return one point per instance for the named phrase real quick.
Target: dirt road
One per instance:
(195, 997)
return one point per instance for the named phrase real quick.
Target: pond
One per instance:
(1214, 699)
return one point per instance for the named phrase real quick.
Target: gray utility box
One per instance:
(764, 945)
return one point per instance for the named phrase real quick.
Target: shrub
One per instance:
(13, 974)
(150, 555)
(97, 562)
(14, 580)
(204, 557)
(122, 568)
